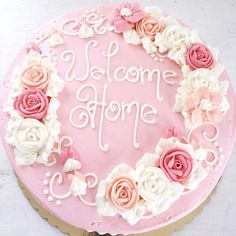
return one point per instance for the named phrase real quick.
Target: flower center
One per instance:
(125, 12)
(205, 105)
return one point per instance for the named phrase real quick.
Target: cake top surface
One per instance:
(118, 114)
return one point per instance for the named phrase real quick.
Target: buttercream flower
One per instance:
(69, 153)
(176, 163)
(157, 191)
(204, 105)
(123, 193)
(148, 27)
(153, 184)
(118, 194)
(78, 184)
(32, 103)
(199, 56)
(30, 136)
(125, 15)
(35, 76)
(174, 37)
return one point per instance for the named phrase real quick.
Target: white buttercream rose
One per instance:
(176, 39)
(154, 186)
(30, 135)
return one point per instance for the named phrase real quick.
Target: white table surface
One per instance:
(216, 22)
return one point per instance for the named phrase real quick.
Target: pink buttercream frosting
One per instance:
(199, 56)
(35, 76)
(148, 27)
(176, 163)
(204, 106)
(118, 135)
(32, 103)
(123, 193)
(125, 15)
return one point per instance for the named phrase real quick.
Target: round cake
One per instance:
(118, 119)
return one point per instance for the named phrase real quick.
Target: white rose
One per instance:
(30, 136)
(174, 37)
(153, 185)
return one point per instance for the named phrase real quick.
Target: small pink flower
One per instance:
(199, 56)
(123, 193)
(204, 106)
(69, 152)
(125, 15)
(34, 47)
(172, 132)
(176, 164)
(148, 27)
(35, 76)
(32, 103)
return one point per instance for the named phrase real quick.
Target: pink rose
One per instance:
(199, 56)
(36, 76)
(32, 103)
(148, 27)
(123, 193)
(176, 163)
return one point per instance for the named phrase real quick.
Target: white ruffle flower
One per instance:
(71, 165)
(131, 37)
(29, 136)
(106, 208)
(78, 186)
(85, 32)
(154, 187)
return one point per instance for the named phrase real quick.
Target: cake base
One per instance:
(73, 231)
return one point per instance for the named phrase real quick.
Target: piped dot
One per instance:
(222, 156)
(45, 182)
(45, 191)
(216, 144)
(220, 149)
(155, 59)
(152, 55)
(98, 12)
(161, 59)
(47, 174)
(58, 202)
(93, 10)
(50, 198)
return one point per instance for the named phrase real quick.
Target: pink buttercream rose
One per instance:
(204, 106)
(176, 164)
(123, 193)
(148, 27)
(69, 152)
(32, 103)
(199, 56)
(35, 76)
(125, 15)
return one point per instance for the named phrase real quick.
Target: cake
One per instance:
(118, 119)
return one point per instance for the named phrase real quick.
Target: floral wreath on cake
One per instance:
(179, 163)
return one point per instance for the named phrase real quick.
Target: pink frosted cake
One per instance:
(118, 118)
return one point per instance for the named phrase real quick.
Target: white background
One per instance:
(216, 22)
